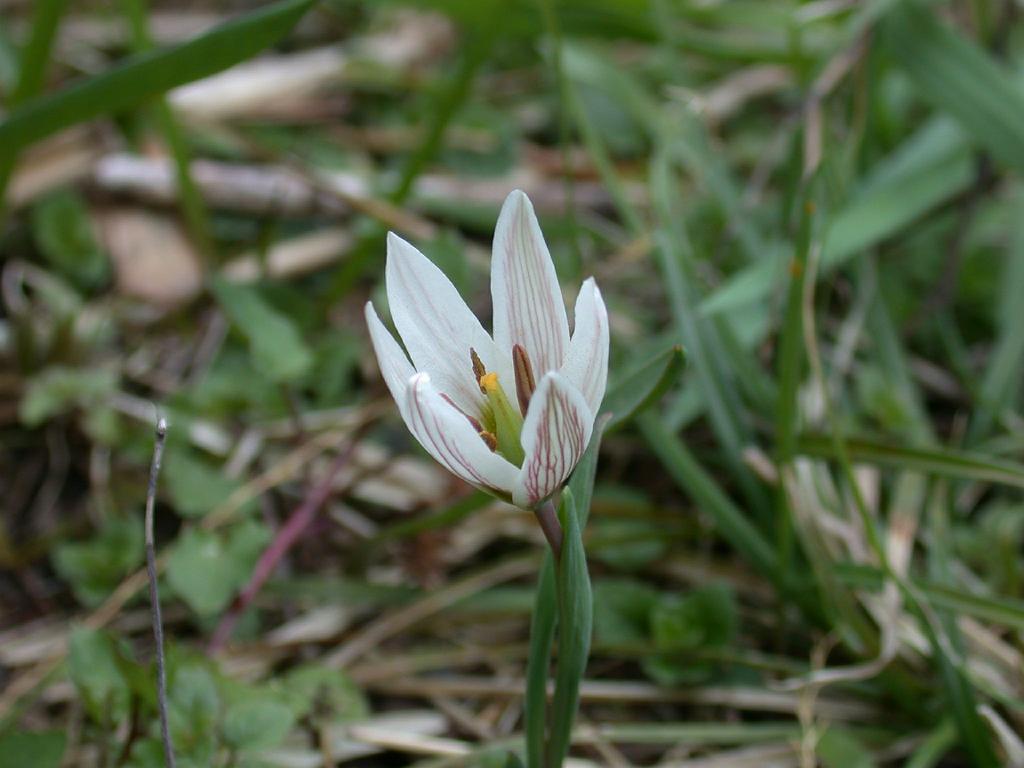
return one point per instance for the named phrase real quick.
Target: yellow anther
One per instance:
(507, 421)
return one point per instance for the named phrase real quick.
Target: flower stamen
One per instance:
(479, 370)
(526, 384)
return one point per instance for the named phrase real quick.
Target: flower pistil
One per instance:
(500, 424)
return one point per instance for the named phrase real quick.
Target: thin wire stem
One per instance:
(154, 596)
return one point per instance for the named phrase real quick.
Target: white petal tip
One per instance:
(517, 201)
(399, 246)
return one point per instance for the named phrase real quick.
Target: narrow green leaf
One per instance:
(790, 366)
(962, 702)
(1001, 382)
(745, 287)
(934, 747)
(582, 481)
(34, 59)
(192, 203)
(928, 168)
(959, 77)
(893, 358)
(692, 478)
(944, 462)
(705, 341)
(145, 75)
(441, 519)
(478, 47)
(931, 166)
(643, 386)
(1006, 611)
(35, 56)
(542, 637)
(575, 622)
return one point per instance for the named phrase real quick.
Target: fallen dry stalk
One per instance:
(627, 692)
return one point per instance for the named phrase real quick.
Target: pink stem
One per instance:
(286, 537)
(548, 519)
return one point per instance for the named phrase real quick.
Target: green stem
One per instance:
(542, 638)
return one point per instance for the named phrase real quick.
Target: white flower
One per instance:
(510, 414)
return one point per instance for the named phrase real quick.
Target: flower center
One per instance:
(501, 423)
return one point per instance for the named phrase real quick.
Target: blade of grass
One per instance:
(943, 462)
(542, 638)
(961, 699)
(481, 27)
(790, 366)
(553, 31)
(681, 130)
(643, 386)
(929, 168)
(441, 519)
(34, 59)
(192, 203)
(959, 77)
(956, 683)
(35, 56)
(144, 75)
(1001, 382)
(887, 347)
(582, 481)
(586, 69)
(729, 520)
(702, 340)
(575, 623)
(934, 747)
(480, 36)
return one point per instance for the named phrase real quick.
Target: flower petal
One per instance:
(448, 436)
(528, 304)
(394, 365)
(436, 326)
(556, 431)
(586, 362)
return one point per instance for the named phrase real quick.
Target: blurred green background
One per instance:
(806, 551)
